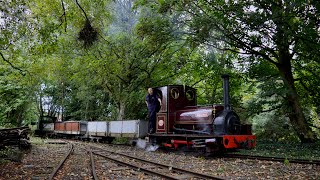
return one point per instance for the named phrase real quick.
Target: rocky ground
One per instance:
(42, 158)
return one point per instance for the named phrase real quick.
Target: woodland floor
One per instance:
(43, 157)
(285, 150)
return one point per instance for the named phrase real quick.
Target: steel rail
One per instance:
(278, 159)
(172, 168)
(95, 177)
(93, 166)
(61, 163)
(139, 168)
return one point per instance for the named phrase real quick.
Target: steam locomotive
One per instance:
(180, 122)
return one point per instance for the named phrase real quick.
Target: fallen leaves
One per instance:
(43, 158)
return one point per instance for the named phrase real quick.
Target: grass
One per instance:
(4, 161)
(37, 140)
(285, 150)
(120, 140)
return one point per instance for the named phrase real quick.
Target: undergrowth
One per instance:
(286, 150)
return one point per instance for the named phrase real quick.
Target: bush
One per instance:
(272, 127)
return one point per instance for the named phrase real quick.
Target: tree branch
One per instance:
(85, 14)
(64, 15)
(14, 67)
(111, 45)
(196, 82)
(248, 47)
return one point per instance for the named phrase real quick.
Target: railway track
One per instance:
(277, 159)
(58, 167)
(42, 164)
(149, 167)
(106, 163)
(93, 166)
(75, 164)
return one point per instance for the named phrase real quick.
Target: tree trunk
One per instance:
(40, 123)
(86, 111)
(121, 110)
(296, 115)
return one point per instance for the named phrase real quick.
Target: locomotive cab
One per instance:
(176, 99)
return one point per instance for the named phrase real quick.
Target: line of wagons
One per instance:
(102, 131)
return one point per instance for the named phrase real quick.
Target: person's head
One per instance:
(150, 91)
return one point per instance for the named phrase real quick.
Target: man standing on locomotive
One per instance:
(152, 103)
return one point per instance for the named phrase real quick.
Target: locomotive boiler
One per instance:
(180, 122)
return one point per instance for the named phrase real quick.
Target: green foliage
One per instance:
(315, 122)
(16, 106)
(37, 140)
(11, 153)
(87, 103)
(121, 140)
(155, 43)
(286, 162)
(4, 152)
(206, 71)
(271, 38)
(221, 170)
(274, 127)
(106, 80)
(267, 106)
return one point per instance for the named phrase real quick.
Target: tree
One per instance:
(284, 34)
(110, 54)
(128, 61)
(16, 106)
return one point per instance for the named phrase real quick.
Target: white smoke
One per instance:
(152, 148)
(125, 17)
(141, 143)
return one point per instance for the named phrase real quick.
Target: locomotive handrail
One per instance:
(206, 105)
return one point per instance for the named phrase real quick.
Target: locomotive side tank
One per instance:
(181, 122)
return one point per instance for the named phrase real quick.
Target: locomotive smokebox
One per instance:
(227, 122)
(226, 92)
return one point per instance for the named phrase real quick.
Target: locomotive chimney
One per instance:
(226, 91)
